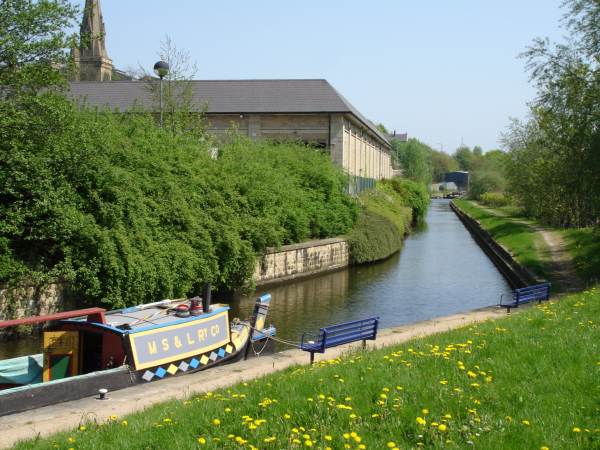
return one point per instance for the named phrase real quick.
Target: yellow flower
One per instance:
(308, 443)
(576, 430)
(269, 439)
(82, 428)
(328, 437)
(544, 448)
(71, 440)
(201, 440)
(425, 411)
(227, 410)
(443, 382)
(421, 421)
(391, 444)
(124, 423)
(216, 422)
(442, 427)
(525, 422)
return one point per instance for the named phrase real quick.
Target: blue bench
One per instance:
(343, 333)
(527, 294)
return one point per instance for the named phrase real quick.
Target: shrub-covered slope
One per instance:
(128, 213)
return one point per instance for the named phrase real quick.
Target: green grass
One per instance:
(527, 381)
(524, 244)
(584, 246)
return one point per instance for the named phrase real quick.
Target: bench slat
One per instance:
(343, 333)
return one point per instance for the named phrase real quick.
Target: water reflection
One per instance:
(440, 271)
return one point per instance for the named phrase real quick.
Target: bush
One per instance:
(129, 213)
(388, 212)
(495, 199)
(414, 195)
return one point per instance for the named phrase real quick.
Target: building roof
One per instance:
(229, 96)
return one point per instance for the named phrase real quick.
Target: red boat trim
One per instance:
(94, 315)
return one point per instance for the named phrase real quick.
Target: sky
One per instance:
(445, 72)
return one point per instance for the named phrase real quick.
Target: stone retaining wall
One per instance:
(516, 274)
(32, 301)
(300, 260)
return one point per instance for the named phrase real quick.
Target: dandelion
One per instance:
(391, 444)
(576, 430)
(286, 416)
(442, 427)
(525, 422)
(308, 443)
(544, 448)
(444, 382)
(421, 421)
(82, 428)
(124, 423)
(425, 411)
(328, 437)
(216, 422)
(201, 440)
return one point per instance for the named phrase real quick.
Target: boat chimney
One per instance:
(206, 297)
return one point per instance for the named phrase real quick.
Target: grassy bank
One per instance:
(527, 247)
(388, 212)
(583, 244)
(529, 380)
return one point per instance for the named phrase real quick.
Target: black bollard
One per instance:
(206, 298)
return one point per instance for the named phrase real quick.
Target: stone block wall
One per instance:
(299, 260)
(32, 301)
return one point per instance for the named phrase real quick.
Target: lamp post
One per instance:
(161, 69)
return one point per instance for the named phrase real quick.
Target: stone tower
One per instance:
(91, 58)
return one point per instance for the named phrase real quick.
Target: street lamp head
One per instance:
(161, 69)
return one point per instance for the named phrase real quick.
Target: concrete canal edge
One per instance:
(67, 416)
(515, 273)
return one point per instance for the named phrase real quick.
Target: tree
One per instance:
(463, 156)
(558, 151)
(477, 151)
(33, 43)
(415, 159)
(381, 127)
(441, 164)
(181, 114)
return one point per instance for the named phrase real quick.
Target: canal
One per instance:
(440, 271)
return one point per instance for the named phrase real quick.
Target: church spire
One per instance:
(92, 58)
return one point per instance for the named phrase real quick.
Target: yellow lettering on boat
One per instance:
(177, 341)
(152, 347)
(165, 344)
(190, 341)
(214, 330)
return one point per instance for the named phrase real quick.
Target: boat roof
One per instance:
(136, 319)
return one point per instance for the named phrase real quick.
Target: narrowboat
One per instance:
(91, 350)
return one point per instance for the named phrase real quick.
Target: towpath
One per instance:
(554, 253)
(67, 416)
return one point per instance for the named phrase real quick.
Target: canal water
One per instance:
(440, 271)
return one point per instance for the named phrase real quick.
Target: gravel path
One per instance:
(555, 254)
